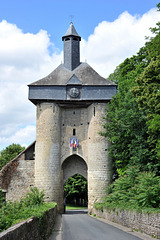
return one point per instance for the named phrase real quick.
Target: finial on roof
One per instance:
(71, 32)
(71, 17)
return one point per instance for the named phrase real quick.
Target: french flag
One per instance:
(71, 142)
(76, 144)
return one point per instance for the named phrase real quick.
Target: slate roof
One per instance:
(71, 32)
(84, 74)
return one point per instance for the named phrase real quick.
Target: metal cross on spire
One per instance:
(71, 17)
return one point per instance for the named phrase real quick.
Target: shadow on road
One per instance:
(81, 211)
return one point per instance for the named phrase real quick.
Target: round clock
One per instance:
(74, 92)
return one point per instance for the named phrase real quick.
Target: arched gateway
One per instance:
(71, 103)
(73, 165)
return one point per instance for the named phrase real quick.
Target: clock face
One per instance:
(74, 92)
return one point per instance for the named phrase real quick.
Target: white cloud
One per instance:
(112, 42)
(17, 134)
(25, 57)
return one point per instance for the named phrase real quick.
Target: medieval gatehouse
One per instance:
(71, 104)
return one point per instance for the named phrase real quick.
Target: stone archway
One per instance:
(72, 165)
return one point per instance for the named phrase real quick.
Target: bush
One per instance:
(2, 198)
(148, 190)
(29, 206)
(135, 190)
(34, 197)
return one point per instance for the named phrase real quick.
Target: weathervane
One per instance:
(71, 17)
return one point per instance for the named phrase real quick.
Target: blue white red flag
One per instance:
(71, 142)
(76, 143)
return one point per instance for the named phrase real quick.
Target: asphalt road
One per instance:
(77, 225)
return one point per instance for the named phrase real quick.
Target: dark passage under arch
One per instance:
(76, 190)
(75, 180)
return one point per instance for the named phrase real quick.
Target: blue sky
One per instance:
(54, 15)
(31, 47)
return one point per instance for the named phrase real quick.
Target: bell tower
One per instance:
(71, 48)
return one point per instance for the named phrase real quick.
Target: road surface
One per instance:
(77, 225)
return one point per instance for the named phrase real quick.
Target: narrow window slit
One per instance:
(74, 131)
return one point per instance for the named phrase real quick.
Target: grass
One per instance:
(74, 207)
(12, 214)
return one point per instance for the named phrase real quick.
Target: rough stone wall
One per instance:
(99, 163)
(7, 171)
(32, 229)
(73, 165)
(74, 118)
(147, 223)
(17, 176)
(55, 161)
(48, 174)
(93, 148)
(21, 180)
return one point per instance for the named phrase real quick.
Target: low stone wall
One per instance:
(32, 229)
(147, 223)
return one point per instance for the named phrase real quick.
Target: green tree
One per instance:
(153, 46)
(125, 123)
(76, 188)
(132, 121)
(134, 190)
(147, 92)
(9, 153)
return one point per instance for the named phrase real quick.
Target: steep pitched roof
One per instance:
(71, 31)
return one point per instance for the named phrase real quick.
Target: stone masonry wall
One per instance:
(147, 223)
(74, 118)
(17, 176)
(73, 165)
(99, 163)
(48, 173)
(87, 123)
(21, 180)
(32, 229)
(55, 161)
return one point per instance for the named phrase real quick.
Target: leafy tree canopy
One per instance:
(75, 188)
(134, 190)
(147, 93)
(133, 116)
(9, 153)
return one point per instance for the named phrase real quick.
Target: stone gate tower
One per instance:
(71, 103)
